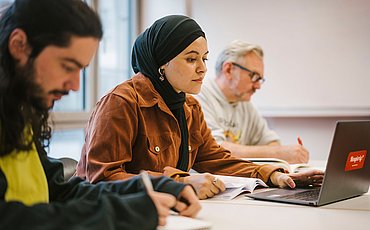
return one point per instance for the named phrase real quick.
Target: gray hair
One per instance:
(236, 50)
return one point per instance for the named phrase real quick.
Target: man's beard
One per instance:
(31, 103)
(36, 95)
(33, 94)
(57, 92)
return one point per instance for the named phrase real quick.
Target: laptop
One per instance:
(347, 172)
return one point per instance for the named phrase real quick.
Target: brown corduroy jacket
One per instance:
(132, 129)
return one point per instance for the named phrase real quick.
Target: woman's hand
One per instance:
(205, 184)
(306, 178)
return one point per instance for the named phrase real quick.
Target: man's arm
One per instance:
(107, 211)
(291, 153)
(118, 205)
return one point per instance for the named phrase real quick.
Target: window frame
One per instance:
(61, 120)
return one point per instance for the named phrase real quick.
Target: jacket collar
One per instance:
(149, 97)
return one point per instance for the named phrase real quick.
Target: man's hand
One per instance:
(188, 203)
(307, 178)
(206, 185)
(293, 154)
(163, 202)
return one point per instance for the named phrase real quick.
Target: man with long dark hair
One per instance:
(44, 45)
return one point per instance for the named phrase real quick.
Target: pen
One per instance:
(146, 181)
(300, 141)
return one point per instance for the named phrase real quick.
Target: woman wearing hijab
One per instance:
(151, 122)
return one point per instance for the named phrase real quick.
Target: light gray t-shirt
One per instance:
(238, 122)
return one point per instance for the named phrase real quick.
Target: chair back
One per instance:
(69, 167)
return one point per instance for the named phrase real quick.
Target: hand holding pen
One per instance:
(187, 204)
(302, 152)
(162, 201)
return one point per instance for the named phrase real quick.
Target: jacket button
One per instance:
(156, 148)
(189, 148)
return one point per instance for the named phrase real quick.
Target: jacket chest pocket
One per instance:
(158, 144)
(195, 141)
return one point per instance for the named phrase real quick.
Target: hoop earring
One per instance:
(161, 72)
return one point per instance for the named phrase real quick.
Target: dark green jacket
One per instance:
(77, 204)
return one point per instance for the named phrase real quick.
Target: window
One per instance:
(115, 49)
(67, 143)
(4, 4)
(110, 67)
(112, 64)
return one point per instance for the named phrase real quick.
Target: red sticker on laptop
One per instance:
(355, 160)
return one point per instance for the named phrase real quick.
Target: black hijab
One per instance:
(156, 46)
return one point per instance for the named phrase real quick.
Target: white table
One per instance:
(246, 213)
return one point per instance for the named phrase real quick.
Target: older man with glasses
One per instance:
(235, 122)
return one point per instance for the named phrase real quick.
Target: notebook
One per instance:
(347, 172)
(176, 222)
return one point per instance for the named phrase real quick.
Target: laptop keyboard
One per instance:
(309, 195)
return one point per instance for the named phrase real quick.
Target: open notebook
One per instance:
(236, 186)
(280, 163)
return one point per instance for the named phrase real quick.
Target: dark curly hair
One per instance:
(45, 22)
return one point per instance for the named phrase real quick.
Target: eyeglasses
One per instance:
(255, 77)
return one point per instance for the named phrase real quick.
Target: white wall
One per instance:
(345, 69)
(152, 10)
(316, 132)
(317, 53)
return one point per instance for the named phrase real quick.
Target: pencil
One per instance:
(146, 181)
(300, 141)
